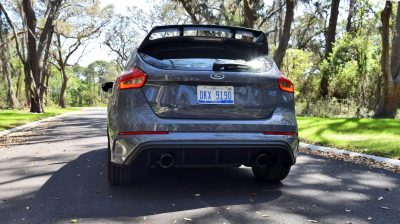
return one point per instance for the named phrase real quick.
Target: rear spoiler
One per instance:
(255, 37)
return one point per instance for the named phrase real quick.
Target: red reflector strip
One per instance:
(279, 133)
(144, 133)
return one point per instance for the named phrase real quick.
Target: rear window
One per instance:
(260, 64)
(201, 32)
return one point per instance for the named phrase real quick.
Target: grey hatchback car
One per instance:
(201, 96)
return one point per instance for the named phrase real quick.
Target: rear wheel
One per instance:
(117, 175)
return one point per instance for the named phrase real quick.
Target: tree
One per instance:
(390, 65)
(284, 40)
(37, 44)
(330, 39)
(5, 62)
(121, 39)
(124, 33)
(78, 23)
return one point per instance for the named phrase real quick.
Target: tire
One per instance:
(272, 173)
(117, 175)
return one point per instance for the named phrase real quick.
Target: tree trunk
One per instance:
(390, 67)
(350, 15)
(61, 102)
(284, 40)
(330, 39)
(248, 14)
(18, 90)
(37, 50)
(5, 60)
(36, 105)
(387, 106)
(189, 10)
(27, 86)
(13, 102)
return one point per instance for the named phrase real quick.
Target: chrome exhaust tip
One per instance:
(166, 161)
(262, 160)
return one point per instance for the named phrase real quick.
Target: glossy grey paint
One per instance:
(141, 110)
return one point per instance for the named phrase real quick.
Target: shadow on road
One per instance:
(80, 189)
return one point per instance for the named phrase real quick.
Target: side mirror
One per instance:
(107, 86)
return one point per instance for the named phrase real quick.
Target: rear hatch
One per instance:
(208, 76)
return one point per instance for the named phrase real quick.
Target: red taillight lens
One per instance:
(144, 133)
(134, 78)
(279, 133)
(285, 84)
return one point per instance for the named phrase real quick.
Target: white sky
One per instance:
(96, 50)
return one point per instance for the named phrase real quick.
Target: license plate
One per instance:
(215, 95)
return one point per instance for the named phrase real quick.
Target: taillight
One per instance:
(134, 78)
(285, 84)
(279, 133)
(144, 133)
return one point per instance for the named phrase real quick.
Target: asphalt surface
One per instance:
(57, 174)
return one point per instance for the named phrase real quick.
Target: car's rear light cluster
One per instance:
(279, 133)
(134, 78)
(285, 84)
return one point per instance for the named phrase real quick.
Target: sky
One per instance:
(96, 50)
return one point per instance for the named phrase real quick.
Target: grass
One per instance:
(371, 136)
(13, 118)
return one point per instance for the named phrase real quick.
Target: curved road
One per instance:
(56, 174)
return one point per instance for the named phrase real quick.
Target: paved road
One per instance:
(57, 173)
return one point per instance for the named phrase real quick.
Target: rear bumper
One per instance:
(204, 149)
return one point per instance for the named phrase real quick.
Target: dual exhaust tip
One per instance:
(167, 160)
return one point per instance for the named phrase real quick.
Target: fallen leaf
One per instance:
(369, 218)
(313, 221)
(227, 208)
(73, 221)
(265, 215)
(187, 219)
(384, 207)
(348, 210)
(380, 198)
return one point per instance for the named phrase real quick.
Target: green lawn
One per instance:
(372, 136)
(13, 118)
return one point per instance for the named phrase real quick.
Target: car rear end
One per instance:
(201, 96)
